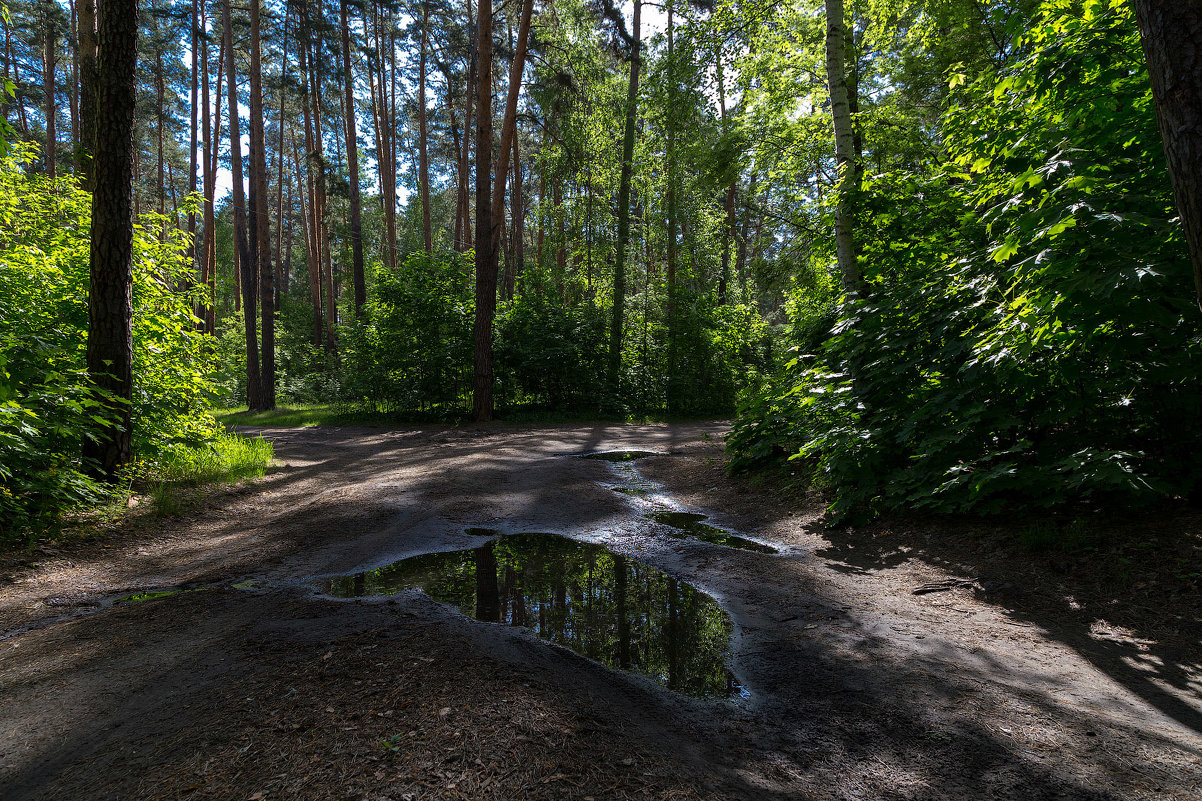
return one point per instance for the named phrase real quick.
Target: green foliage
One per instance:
(550, 354)
(47, 404)
(414, 354)
(1028, 337)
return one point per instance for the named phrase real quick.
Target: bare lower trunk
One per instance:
(110, 292)
(1172, 37)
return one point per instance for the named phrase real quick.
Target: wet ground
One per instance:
(485, 614)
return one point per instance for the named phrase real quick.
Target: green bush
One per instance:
(1029, 335)
(47, 404)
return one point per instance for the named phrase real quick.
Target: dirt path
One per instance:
(858, 688)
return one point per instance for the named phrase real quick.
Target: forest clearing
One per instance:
(727, 399)
(854, 687)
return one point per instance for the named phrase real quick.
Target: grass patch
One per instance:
(308, 414)
(229, 457)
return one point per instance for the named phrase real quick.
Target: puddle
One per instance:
(619, 456)
(602, 605)
(690, 526)
(150, 595)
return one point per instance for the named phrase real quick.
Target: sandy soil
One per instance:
(1022, 685)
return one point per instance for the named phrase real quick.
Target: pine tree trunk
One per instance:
(422, 144)
(486, 255)
(463, 207)
(623, 242)
(260, 223)
(352, 163)
(246, 262)
(282, 267)
(48, 68)
(519, 224)
(110, 293)
(194, 134)
(87, 92)
(1172, 36)
(509, 125)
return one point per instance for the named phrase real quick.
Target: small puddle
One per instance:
(601, 604)
(150, 595)
(688, 525)
(619, 456)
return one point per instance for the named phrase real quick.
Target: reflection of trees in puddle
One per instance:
(611, 609)
(687, 525)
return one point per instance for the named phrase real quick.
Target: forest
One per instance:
(565, 400)
(929, 255)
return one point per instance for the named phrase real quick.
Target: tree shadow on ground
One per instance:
(1124, 594)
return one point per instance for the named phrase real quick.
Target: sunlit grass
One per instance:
(303, 414)
(227, 458)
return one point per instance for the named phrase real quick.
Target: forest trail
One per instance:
(256, 687)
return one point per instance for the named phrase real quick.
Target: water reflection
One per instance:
(611, 609)
(620, 456)
(689, 525)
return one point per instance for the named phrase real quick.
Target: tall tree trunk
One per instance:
(486, 255)
(462, 205)
(49, 61)
(621, 247)
(194, 135)
(327, 256)
(352, 165)
(836, 78)
(246, 261)
(561, 238)
(728, 226)
(73, 82)
(282, 267)
(509, 125)
(212, 138)
(312, 237)
(161, 92)
(423, 166)
(518, 213)
(670, 158)
(110, 291)
(260, 222)
(1172, 36)
(87, 92)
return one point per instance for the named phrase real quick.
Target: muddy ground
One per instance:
(1056, 676)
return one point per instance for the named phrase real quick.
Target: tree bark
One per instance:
(49, 63)
(193, 128)
(1171, 31)
(509, 125)
(260, 222)
(87, 92)
(352, 165)
(110, 292)
(246, 262)
(423, 160)
(486, 254)
(462, 205)
(836, 76)
(621, 247)
(310, 214)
